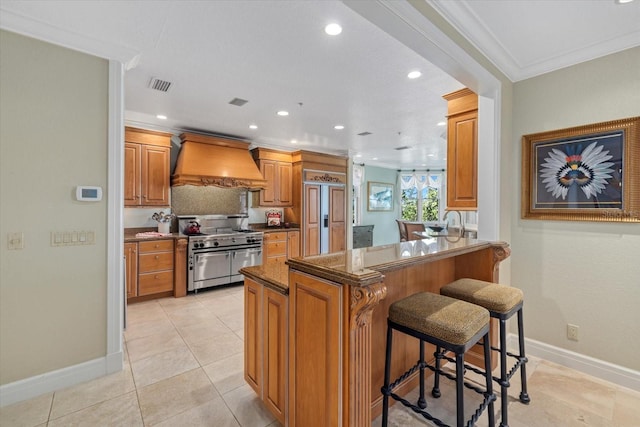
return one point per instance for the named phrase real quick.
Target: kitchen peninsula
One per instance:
(315, 332)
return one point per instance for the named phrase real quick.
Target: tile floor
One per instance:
(183, 367)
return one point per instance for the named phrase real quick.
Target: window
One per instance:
(421, 195)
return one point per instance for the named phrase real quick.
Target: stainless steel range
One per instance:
(219, 246)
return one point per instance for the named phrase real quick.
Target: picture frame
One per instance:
(379, 196)
(583, 173)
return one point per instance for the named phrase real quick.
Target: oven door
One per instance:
(244, 258)
(211, 269)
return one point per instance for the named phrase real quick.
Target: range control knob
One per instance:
(215, 243)
(202, 244)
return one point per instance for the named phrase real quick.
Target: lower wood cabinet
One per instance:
(149, 268)
(131, 269)
(265, 345)
(281, 245)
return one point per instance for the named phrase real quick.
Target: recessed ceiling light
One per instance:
(283, 113)
(253, 127)
(623, 1)
(358, 155)
(294, 141)
(333, 29)
(431, 155)
(161, 117)
(375, 158)
(414, 74)
(338, 127)
(423, 164)
(442, 123)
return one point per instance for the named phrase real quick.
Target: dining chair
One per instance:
(411, 227)
(403, 230)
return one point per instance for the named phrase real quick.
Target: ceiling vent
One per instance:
(364, 133)
(161, 85)
(406, 147)
(238, 101)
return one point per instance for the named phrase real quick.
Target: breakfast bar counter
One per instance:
(336, 310)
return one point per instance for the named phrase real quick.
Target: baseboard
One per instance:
(616, 374)
(55, 380)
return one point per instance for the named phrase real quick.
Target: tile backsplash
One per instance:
(190, 199)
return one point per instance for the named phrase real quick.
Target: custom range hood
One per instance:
(210, 160)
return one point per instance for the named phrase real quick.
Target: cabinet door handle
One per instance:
(157, 256)
(156, 277)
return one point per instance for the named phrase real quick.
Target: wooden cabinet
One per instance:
(317, 198)
(150, 269)
(155, 267)
(274, 371)
(131, 269)
(253, 334)
(275, 246)
(281, 245)
(462, 150)
(293, 245)
(276, 169)
(265, 345)
(337, 220)
(315, 350)
(146, 168)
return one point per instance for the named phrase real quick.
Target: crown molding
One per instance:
(30, 27)
(460, 15)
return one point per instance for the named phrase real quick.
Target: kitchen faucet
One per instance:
(460, 219)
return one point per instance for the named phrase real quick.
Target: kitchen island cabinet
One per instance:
(338, 305)
(266, 336)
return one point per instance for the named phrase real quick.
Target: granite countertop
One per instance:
(364, 266)
(263, 227)
(130, 235)
(274, 275)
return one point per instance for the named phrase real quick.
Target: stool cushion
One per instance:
(492, 296)
(450, 320)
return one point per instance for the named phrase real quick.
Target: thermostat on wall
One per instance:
(85, 193)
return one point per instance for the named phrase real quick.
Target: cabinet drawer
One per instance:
(276, 248)
(276, 259)
(271, 237)
(152, 283)
(155, 262)
(155, 246)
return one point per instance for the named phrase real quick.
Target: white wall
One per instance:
(584, 273)
(53, 136)
(385, 228)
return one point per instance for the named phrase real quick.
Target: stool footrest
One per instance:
(488, 398)
(519, 362)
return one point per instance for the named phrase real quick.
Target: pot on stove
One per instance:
(192, 228)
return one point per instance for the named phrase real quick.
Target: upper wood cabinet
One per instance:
(276, 168)
(462, 150)
(147, 156)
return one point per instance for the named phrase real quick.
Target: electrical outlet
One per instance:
(572, 332)
(15, 241)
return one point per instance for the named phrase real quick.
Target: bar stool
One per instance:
(448, 323)
(502, 303)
